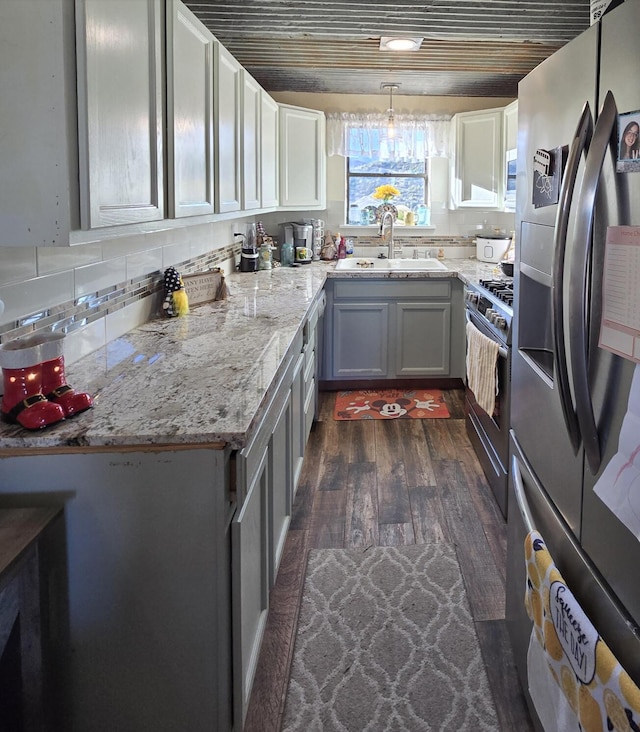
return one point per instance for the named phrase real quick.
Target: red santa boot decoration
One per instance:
(54, 383)
(23, 402)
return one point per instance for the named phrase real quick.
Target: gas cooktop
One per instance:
(492, 302)
(501, 288)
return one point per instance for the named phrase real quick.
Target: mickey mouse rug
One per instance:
(390, 404)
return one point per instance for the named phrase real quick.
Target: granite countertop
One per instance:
(204, 378)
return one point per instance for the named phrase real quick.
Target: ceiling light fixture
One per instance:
(400, 43)
(391, 126)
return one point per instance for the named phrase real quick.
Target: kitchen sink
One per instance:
(415, 265)
(394, 265)
(366, 265)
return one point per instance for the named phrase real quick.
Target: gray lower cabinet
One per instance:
(298, 441)
(390, 329)
(268, 470)
(422, 339)
(171, 553)
(147, 644)
(360, 340)
(250, 580)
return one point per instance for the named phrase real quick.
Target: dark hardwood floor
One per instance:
(391, 483)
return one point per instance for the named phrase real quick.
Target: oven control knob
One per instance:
(501, 323)
(472, 297)
(489, 313)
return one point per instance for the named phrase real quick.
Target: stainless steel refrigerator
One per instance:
(569, 396)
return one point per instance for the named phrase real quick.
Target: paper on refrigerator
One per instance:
(620, 326)
(619, 485)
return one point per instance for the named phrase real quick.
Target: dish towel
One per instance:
(575, 681)
(482, 375)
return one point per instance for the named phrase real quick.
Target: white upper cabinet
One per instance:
(302, 158)
(227, 111)
(251, 106)
(190, 48)
(269, 151)
(120, 111)
(511, 126)
(477, 166)
(38, 156)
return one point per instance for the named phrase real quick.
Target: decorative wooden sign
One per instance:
(205, 286)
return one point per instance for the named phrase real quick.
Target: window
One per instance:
(366, 173)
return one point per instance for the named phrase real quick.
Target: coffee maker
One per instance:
(249, 256)
(300, 236)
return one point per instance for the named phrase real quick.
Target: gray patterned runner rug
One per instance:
(386, 643)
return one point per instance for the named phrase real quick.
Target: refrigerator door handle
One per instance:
(521, 499)
(579, 147)
(580, 266)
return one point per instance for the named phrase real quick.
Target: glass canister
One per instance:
(265, 255)
(286, 254)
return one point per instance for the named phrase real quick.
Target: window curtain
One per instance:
(367, 135)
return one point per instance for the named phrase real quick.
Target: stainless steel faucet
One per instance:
(387, 218)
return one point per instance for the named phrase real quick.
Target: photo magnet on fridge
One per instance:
(628, 142)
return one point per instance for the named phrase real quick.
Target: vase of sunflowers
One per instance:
(386, 193)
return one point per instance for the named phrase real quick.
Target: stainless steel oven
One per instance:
(489, 306)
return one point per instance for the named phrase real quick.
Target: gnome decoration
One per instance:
(176, 301)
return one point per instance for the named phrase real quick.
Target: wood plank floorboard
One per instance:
(429, 521)
(328, 520)
(393, 494)
(483, 582)
(418, 464)
(511, 707)
(389, 483)
(361, 522)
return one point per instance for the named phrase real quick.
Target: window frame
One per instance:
(425, 177)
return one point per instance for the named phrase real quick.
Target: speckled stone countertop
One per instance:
(204, 378)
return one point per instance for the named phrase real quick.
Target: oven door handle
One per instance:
(502, 351)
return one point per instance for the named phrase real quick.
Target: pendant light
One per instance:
(391, 125)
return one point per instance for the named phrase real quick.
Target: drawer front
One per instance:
(309, 365)
(309, 409)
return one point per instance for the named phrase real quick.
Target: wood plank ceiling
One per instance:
(470, 47)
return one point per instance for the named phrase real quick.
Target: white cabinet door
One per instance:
(189, 112)
(477, 175)
(120, 105)
(269, 147)
(251, 105)
(227, 108)
(38, 150)
(511, 126)
(302, 158)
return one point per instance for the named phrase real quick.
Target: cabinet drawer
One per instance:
(309, 364)
(309, 409)
(404, 289)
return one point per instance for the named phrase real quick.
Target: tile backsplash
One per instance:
(110, 297)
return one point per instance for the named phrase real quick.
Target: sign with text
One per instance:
(575, 632)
